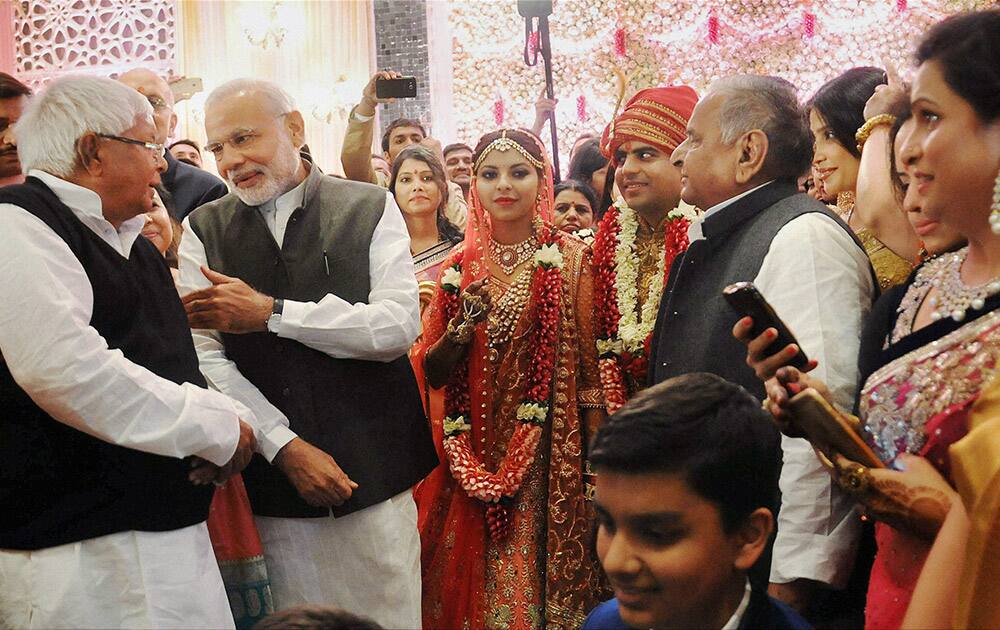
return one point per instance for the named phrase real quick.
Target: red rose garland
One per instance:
(613, 360)
(497, 488)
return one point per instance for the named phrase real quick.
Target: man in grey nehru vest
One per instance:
(747, 142)
(303, 300)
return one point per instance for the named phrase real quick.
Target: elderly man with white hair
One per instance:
(110, 439)
(747, 141)
(304, 303)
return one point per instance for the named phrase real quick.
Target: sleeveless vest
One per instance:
(694, 325)
(366, 414)
(60, 485)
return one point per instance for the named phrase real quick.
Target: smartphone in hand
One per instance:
(746, 300)
(403, 87)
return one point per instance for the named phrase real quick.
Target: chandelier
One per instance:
(271, 33)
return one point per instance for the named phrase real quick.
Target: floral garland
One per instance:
(497, 488)
(623, 334)
(586, 235)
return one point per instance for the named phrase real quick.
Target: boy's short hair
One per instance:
(704, 428)
(312, 617)
(401, 122)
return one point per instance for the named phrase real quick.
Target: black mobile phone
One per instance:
(746, 300)
(403, 87)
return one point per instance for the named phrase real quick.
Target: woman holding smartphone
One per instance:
(932, 344)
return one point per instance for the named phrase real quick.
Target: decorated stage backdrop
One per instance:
(659, 42)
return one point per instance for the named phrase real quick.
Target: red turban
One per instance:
(657, 116)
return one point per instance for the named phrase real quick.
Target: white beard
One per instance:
(277, 178)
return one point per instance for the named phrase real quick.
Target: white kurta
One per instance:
(367, 562)
(124, 580)
(133, 579)
(809, 258)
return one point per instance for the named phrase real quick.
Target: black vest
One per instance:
(694, 325)
(59, 485)
(366, 414)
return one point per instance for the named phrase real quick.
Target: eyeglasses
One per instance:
(152, 146)
(240, 140)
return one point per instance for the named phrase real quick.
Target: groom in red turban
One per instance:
(639, 236)
(656, 116)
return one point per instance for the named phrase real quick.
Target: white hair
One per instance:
(278, 100)
(70, 107)
(771, 105)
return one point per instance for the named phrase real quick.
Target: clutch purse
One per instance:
(828, 429)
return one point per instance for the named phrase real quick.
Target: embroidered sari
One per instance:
(917, 395)
(543, 573)
(427, 264)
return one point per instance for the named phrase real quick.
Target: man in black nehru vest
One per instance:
(109, 440)
(304, 302)
(747, 142)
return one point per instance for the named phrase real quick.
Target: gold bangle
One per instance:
(861, 137)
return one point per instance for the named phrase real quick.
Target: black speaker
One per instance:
(534, 8)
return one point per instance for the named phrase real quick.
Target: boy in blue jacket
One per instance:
(687, 480)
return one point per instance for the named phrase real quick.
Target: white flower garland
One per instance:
(634, 331)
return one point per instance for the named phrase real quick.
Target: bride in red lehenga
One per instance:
(504, 520)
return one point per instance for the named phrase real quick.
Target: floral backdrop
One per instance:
(654, 42)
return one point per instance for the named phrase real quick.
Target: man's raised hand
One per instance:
(229, 305)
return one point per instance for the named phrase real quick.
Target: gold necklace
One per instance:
(508, 257)
(503, 318)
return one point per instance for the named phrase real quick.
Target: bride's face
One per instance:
(507, 185)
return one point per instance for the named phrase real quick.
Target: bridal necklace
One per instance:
(508, 257)
(954, 298)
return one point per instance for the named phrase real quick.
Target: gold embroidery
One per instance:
(647, 131)
(590, 397)
(901, 397)
(679, 124)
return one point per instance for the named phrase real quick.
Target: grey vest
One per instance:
(694, 325)
(366, 414)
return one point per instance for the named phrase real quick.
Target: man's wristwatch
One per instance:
(275, 318)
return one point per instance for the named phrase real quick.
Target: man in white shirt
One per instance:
(747, 141)
(110, 439)
(319, 342)
(401, 133)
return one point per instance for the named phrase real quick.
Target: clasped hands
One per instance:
(204, 472)
(913, 498)
(230, 305)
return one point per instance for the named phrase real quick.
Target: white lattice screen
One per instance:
(105, 37)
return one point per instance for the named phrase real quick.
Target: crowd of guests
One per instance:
(452, 389)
